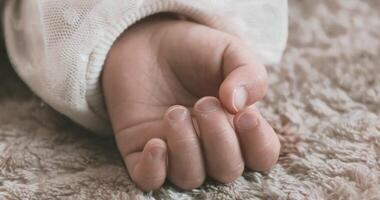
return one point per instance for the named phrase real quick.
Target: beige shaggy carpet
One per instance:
(324, 103)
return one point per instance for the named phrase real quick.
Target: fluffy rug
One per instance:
(324, 103)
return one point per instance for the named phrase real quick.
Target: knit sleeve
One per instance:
(263, 24)
(58, 47)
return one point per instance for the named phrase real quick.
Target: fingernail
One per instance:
(248, 121)
(157, 154)
(177, 113)
(240, 96)
(208, 105)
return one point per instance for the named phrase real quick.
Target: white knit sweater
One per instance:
(58, 47)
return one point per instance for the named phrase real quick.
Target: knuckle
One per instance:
(220, 132)
(189, 144)
(220, 135)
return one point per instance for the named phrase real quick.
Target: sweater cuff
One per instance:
(94, 95)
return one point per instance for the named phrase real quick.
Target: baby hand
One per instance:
(181, 101)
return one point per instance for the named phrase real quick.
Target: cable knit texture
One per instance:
(323, 102)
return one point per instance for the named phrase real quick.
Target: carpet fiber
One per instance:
(324, 103)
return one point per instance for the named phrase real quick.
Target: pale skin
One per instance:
(181, 98)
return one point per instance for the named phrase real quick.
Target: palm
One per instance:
(158, 81)
(149, 97)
